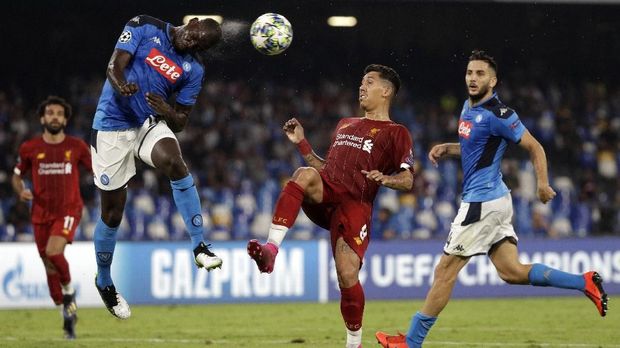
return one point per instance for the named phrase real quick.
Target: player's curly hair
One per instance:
(55, 100)
(485, 57)
(385, 72)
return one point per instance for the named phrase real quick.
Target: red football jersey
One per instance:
(55, 176)
(364, 144)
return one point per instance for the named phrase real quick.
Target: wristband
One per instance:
(304, 147)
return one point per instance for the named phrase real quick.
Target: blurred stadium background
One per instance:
(558, 67)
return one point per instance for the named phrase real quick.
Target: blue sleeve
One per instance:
(131, 36)
(189, 92)
(509, 128)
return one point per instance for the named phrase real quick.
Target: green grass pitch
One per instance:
(535, 322)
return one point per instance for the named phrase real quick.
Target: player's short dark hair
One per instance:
(385, 72)
(214, 31)
(485, 57)
(55, 100)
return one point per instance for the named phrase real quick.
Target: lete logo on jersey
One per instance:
(165, 66)
(465, 129)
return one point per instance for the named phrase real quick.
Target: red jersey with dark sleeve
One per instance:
(363, 144)
(55, 176)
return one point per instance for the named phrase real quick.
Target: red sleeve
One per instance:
(403, 149)
(24, 162)
(85, 158)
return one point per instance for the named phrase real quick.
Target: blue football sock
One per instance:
(420, 324)
(542, 275)
(188, 203)
(105, 240)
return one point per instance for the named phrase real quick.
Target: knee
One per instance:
(49, 267)
(304, 176)
(112, 216)
(347, 277)
(173, 167)
(51, 251)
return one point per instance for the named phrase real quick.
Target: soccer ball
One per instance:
(271, 34)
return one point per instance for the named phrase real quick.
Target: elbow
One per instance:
(109, 72)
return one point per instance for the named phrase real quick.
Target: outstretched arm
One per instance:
(401, 181)
(116, 73)
(295, 133)
(539, 159)
(443, 150)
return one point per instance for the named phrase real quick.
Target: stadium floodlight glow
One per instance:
(342, 21)
(216, 18)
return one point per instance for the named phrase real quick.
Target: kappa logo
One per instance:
(502, 111)
(125, 37)
(156, 40)
(459, 247)
(136, 19)
(367, 145)
(465, 129)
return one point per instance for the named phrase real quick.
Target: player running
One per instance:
(483, 223)
(338, 193)
(53, 160)
(152, 61)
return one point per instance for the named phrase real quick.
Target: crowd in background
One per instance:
(240, 157)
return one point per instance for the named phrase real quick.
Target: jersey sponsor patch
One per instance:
(165, 66)
(465, 129)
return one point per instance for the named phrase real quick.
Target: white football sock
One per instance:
(276, 234)
(354, 338)
(67, 288)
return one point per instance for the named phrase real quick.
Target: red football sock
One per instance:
(352, 306)
(53, 283)
(62, 267)
(288, 205)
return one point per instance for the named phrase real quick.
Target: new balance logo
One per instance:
(367, 145)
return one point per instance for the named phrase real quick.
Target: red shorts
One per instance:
(342, 216)
(63, 227)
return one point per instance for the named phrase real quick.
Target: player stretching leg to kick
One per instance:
(52, 160)
(151, 61)
(483, 223)
(338, 193)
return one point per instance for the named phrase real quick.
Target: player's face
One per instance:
(480, 80)
(193, 37)
(373, 91)
(54, 120)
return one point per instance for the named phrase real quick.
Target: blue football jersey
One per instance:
(484, 131)
(156, 67)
